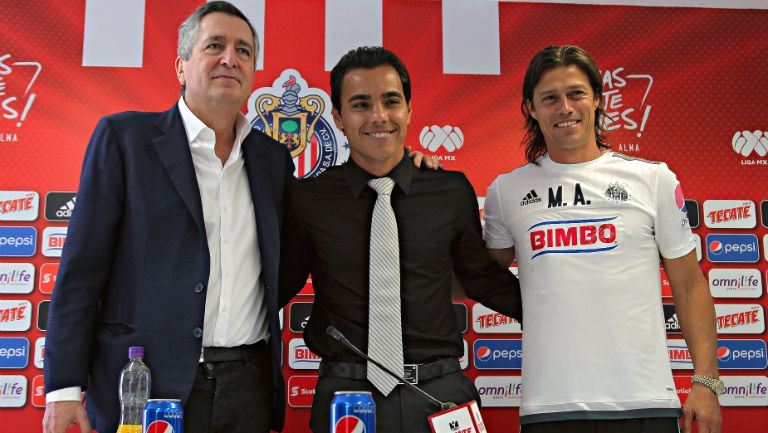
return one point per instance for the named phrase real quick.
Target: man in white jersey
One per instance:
(588, 228)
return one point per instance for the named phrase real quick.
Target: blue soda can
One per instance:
(353, 412)
(163, 416)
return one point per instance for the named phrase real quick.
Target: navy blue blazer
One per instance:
(135, 265)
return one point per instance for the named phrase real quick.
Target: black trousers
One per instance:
(231, 396)
(629, 425)
(403, 410)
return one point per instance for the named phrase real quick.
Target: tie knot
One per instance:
(382, 185)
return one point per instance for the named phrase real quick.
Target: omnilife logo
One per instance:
(499, 391)
(735, 283)
(59, 205)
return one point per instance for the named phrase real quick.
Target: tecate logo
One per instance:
(747, 391)
(17, 241)
(13, 390)
(727, 248)
(15, 315)
(447, 137)
(14, 352)
(53, 241)
(17, 278)
(740, 318)
(19, 205)
(487, 321)
(499, 391)
(735, 283)
(573, 236)
(498, 354)
(730, 214)
(300, 357)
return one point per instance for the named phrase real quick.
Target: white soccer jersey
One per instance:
(587, 239)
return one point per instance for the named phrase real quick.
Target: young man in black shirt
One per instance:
(328, 233)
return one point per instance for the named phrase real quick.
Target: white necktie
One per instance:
(385, 335)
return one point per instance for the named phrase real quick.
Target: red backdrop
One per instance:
(681, 83)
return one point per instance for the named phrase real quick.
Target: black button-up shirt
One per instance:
(327, 232)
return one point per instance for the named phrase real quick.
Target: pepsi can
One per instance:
(353, 412)
(163, 416)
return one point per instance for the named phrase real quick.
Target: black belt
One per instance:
(239, 353)
(414, 373)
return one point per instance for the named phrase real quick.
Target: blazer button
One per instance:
(197, 332)
(199, 287)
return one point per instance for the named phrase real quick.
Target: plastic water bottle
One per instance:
(135, 383)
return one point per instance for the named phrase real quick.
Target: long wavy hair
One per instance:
(550, 58)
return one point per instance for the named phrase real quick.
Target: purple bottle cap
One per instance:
(135, 352)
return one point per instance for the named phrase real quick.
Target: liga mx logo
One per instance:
(299, 117)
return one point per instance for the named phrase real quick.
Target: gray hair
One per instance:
(188, 29)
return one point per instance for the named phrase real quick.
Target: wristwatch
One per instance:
(716, 385)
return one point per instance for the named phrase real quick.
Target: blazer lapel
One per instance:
(173, 149)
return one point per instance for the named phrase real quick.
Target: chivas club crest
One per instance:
(617, 193)
(298, 116)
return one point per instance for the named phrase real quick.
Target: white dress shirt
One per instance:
(235, 311)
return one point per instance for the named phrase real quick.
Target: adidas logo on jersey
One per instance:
(530, 198)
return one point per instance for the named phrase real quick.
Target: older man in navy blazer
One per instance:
(174, 246)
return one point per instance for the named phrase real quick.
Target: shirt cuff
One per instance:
(73, 393)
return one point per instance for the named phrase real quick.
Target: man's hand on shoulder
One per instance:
(420, 159)
(702, 407)
(61, 415)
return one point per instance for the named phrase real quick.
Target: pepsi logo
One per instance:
(159, 426)
(723, 353)
(349, 424)
(484, 353)
(680, 199)
(716, 247)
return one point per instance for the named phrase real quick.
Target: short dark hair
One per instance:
(367, 58)
(550, 58)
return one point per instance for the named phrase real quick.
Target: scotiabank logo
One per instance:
(740, 318)
(15, 315)
(300, 357)
(499, 391)
(730, 214)
(301, 390)
(48, 272)
(17, 277)
(722, 248)
(38, 391)
(745, 391)
(487, 321)
(735, 283)
(13, 390)
(498, 354)
(53, 241)
(574, 236)
(666, 287)
(19, 205)
(731, 354)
